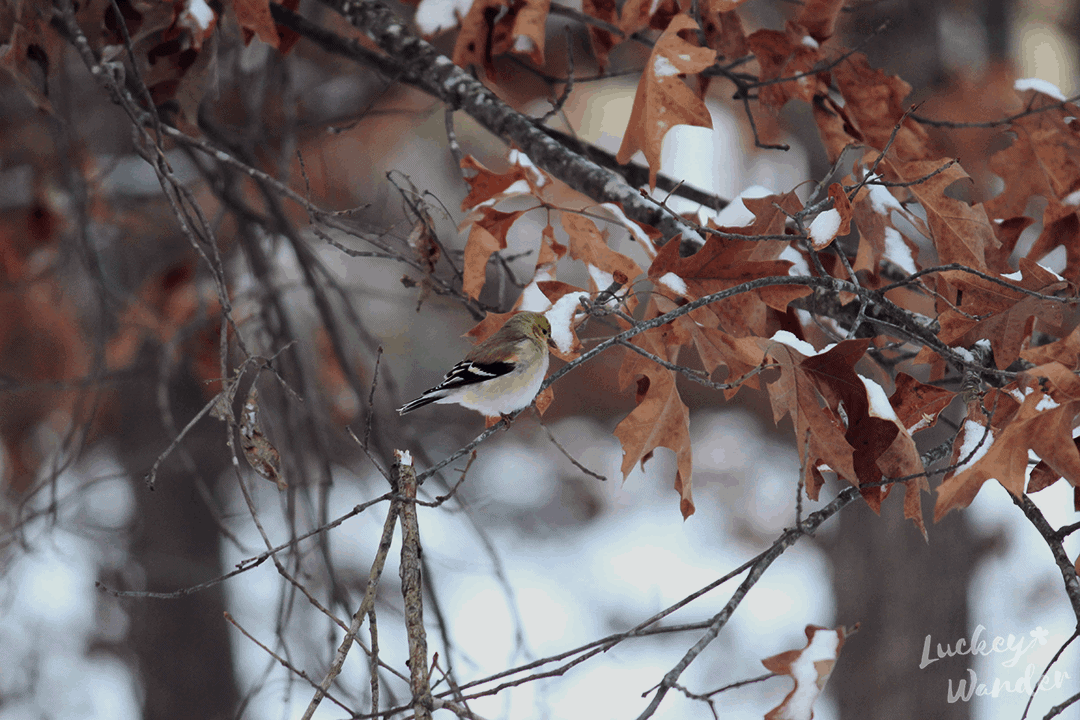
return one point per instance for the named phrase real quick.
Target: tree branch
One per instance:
(417, 63)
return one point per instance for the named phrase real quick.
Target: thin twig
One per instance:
(568, 456)
(365, 607)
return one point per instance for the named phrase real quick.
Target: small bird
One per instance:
(502, 374)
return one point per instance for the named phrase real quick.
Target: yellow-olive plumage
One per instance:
(502, 374)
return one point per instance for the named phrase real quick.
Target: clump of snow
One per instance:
(1019, 396)
(662, 67)
(1046, 403)
(806, 670)
(524, 44)
(639, 235)
(786, 338)
(799, 267)
(736, 214)
(544, 273)
(435, 15)
(964, 353)
(880, 407)
(518, 187)
(532, 298)
(673, 282)
(602, 278)
(524, 161)
(882, 200)
(1041, 86)
(824, 227)
(921, 424)
(897, 251)
(199, 14)
(973, 435)
(1057, 275)
(561, 316)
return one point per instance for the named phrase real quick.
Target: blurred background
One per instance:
(109, 335)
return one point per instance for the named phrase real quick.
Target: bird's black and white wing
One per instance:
(465, 373)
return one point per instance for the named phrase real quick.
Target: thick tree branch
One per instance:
(417, 63)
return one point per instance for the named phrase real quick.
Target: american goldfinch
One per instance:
(501, 374)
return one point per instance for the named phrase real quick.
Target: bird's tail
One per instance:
(421, 401)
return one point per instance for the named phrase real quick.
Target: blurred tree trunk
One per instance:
(910, 46)
(882, 567)
(182, 646)
(900, 589)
